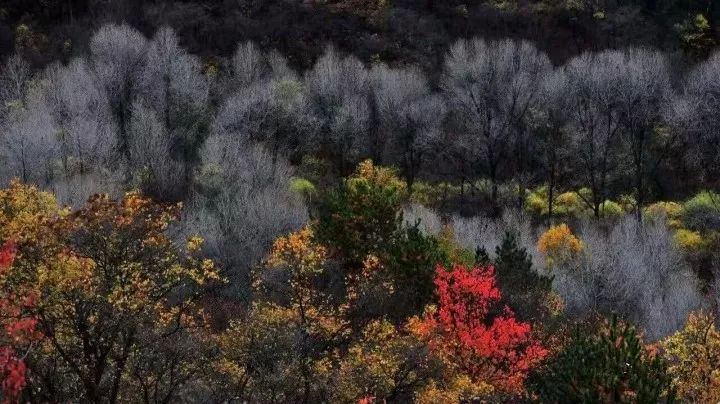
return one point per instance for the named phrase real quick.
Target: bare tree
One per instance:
(15, 75)
(410, 116)
(25, 145)
(490, 87)
(694, 115)
(271, 112)
(82, 117)
(244, 205)
(117, 54)
(338, 91)
(550, 121)
(74, 191)
(635, 270)
(58, 129)
(594, 80)
(150, 150)
(172, 84)
(251, 66)
(29, 142)
(488, 233)
(642, 94)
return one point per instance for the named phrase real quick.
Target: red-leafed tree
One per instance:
(17, 332)
(475, 335)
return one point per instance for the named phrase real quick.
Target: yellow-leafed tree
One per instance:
(116, 297)
(694, 356)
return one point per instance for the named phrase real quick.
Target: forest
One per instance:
(307, 202)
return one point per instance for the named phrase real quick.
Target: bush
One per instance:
(452, 251)
(536, 201)
(302, 186)
(433, 194)
(672, 211)
(702, 212)
(609, 366)
(689, 241)
(570, 204)
(611, 209)
(559, 246)
(627, 202)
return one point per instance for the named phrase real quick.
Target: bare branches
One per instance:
(694, 114)
(490, 87)
(338, 88)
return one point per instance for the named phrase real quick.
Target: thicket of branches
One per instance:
(139, 111)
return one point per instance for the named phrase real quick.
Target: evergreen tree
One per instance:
(524, 290)
(611, 366)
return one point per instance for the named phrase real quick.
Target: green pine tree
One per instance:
(524, 290)
(610, 366)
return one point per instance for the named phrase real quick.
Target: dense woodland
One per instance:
(359, 201)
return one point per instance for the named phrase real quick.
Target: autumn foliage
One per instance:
(111, 293)
(108, 303)
(694, 357)
(19, 330)
(22, 209)
(477, 337)
(559, 245)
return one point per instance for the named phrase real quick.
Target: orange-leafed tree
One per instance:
(477, 337)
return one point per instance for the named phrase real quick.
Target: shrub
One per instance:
(672, 211)
(559, 246)
(611, 209)
(433, 194)
(627, 202)
(452, 251)
(702, 211)
(302, 186)
(689, 241)
(570, 204)
(536, 201)
(609, 366)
